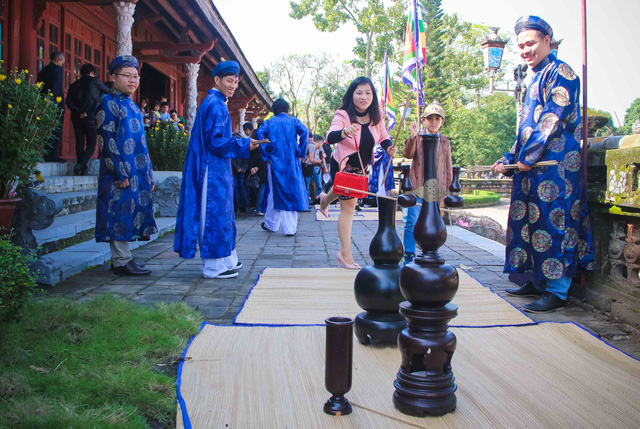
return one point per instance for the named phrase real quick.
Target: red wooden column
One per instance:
(25, 39)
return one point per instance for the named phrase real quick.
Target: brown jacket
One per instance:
(413, 150)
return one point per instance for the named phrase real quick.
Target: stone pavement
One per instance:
(219, 300)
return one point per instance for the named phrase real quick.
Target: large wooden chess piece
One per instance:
(454, 200)
(338, 364)
(376, 286)
(425, 384)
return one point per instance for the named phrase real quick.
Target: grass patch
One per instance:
(91, 364)
(480, 198)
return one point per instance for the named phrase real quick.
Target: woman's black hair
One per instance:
(280, 106)
(347, 101)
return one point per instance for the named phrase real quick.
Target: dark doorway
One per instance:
(153, 84)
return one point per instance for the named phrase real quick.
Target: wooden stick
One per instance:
(515, 166)
(365, 192)
(263, 141)
(406, 105)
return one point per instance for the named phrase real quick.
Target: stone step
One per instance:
(64, 184)
(60, 265)
(67, 231)
(66, 169)
(75, 202)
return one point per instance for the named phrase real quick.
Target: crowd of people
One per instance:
(274, 167)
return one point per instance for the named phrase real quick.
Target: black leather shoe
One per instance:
(265, 227)
(131, 269)
(528, 289)
(238, 266)
(548, 303)
(77, 170)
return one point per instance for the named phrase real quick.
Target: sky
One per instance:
(265, 33)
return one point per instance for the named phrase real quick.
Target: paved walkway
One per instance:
(175, 279)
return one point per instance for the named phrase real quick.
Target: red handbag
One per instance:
(344, 180)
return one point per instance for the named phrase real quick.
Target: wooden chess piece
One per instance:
(454, 200)
(338, 364)
(425, 384)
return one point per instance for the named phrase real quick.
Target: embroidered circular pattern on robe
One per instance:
(526, 133)
(557, 145)
(572, 161)
(547, 91)
(548, 123)
(134, 106)
(525, 185)
(525, 233)
(111, 209)
(99, 118)
(115, 109)
(517, 257)
(130, 205)
(548, 191)
(145, 198)
(560, 168)
(552, 268)
(137, 221)
(570, 238)
(560, 96)
(556, 217)
(568, 188)
(537, 112)
(566, 72)
(509, 234)
(541, 241)
(518, 210)
(100, 143)
(134, 182)
(534, 213)
(134, 125)
(575, 210)
(109, 163)
(533, 93)
(117, 193)
(577, 134)
(119, 229)
(148, 231)
(534, 153)
(140, 161)
(113, 147)
(122, 170)
(583, 249)
(129, 146)
(143, 140)
(127, 167)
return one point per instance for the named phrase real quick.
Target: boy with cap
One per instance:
(205, 211)
(432, 120)
(548, 229)
(124, 209)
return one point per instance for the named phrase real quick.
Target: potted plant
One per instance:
(27, 120)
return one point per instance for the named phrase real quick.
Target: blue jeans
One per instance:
(559, 287)
(412, 217)
(316, 179)
(260, 198)
(240, 197)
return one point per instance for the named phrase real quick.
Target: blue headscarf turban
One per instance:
(124, 61)
(227, 68)
(530, 22)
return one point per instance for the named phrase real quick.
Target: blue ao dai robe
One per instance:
(289, 140)
(548, 231)
(123, 214)
(211, 145)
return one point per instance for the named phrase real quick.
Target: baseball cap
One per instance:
(433, 109)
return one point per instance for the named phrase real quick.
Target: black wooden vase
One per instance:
(425, 384)
(376, 286)
(454, 200)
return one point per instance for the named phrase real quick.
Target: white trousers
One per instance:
(273, 218)
(213, 267)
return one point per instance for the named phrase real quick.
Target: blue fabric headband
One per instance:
(227, 68)
(124, 61)
(530, 22)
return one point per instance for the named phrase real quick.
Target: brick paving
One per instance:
(175, 279)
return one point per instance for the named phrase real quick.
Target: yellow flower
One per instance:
(18, 81)
(9, 106)
(26, 71)
(2, 77)
(58, 99)
(37, 118)
(39, 84)
(179, 125)
(185, 134)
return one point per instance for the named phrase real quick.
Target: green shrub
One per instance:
(167, 146)
(16, 281)
(480, 197)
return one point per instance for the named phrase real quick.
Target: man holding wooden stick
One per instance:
(548, 232)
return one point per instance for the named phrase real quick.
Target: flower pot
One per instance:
(7, 209)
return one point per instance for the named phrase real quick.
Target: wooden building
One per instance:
(178, 43)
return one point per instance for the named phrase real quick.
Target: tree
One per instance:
(380, 25)
(435, 87)
(631, 116)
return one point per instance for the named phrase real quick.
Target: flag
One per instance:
(388, 105)
(415, 51)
